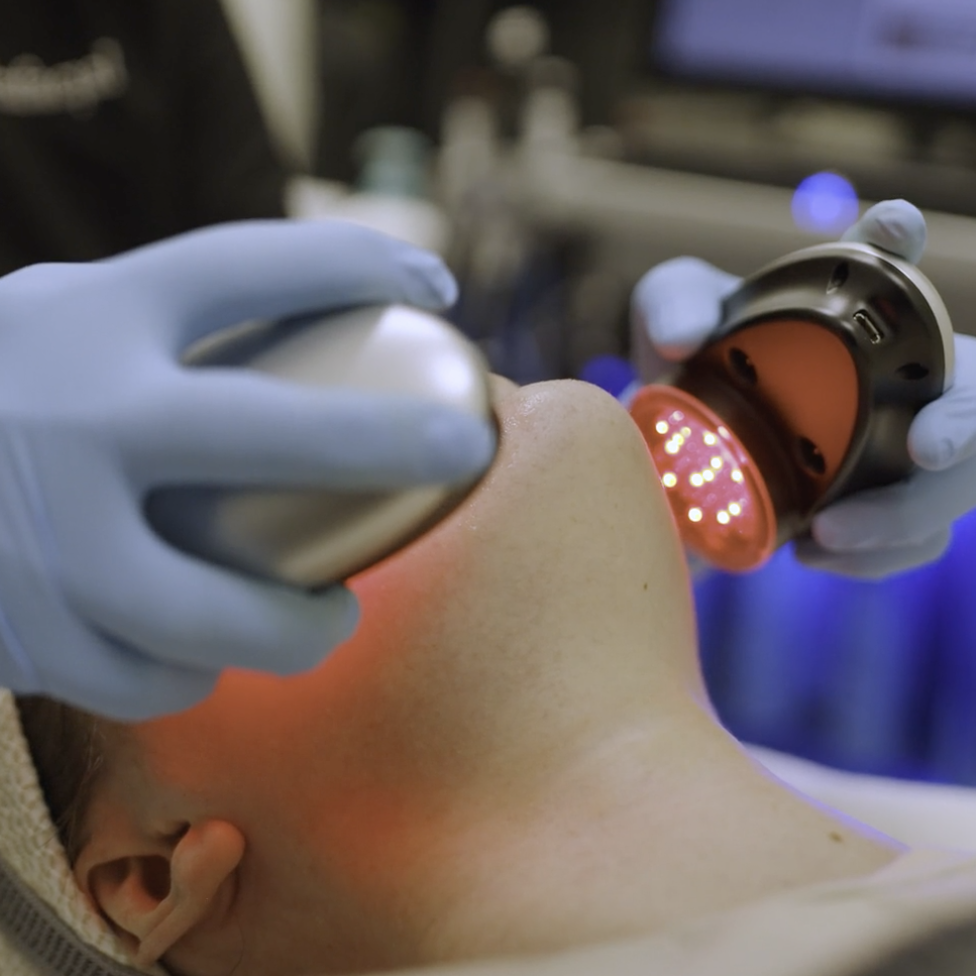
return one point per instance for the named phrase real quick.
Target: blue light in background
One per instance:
(825, 203)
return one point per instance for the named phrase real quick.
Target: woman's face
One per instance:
(553, 605)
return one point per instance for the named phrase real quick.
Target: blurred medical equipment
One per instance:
(552, 206)
(804, 394)
(316, 537)
(278, 42)
(879, 90)
(856, 48)
(391, 193)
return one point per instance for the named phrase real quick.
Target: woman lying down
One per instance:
(515, 755)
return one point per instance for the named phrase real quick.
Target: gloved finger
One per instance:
(235, 426)
(874, 564)
(123, 580)
(894, 226)
(120, 683)
(182, 611)
(220, 276)
(679, 304)
(944, 431)
(49, 280)
(903, 514)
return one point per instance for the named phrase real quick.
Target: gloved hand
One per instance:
(676, 307)
(95, 410)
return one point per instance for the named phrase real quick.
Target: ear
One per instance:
(158, 893)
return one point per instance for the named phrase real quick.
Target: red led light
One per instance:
(718, 497)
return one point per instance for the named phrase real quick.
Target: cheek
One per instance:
(262, 742)
(249, 731)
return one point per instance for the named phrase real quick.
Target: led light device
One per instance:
(804, 396)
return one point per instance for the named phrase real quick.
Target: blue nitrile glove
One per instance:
(95, 410)
(676, 307)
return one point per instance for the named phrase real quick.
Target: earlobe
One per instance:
(156, 893)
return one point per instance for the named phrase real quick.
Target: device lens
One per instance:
(717, 495)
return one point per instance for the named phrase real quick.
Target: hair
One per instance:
(67, 746)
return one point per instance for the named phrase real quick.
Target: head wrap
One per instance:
(47, 925)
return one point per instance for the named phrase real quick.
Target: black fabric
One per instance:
(122, 122)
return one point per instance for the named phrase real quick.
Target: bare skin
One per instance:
(515, 753)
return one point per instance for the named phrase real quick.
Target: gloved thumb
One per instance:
(678, 305)
(944, 431)
(894, 226)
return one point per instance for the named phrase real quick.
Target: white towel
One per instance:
(30, 846)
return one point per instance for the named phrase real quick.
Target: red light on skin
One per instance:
(717, 495)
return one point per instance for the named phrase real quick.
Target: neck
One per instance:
(633, 826)
(505, 797)
(515, 751)
(652, 826)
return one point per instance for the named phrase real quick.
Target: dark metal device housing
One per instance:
(896, 336)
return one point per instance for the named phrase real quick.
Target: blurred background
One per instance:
(553, 152)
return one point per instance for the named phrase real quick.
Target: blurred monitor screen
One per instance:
(915, 49)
